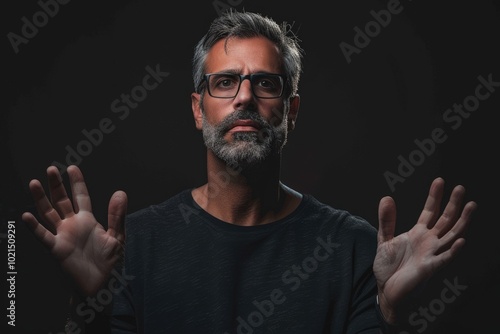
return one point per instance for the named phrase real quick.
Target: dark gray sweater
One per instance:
(308, 273)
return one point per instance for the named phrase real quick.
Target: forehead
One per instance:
(244, 55)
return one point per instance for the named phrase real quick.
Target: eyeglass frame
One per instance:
(243, 77)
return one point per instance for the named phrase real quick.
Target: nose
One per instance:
(245, 97)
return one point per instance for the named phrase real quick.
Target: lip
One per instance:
(244, 125)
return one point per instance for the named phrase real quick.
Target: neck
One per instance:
(245, 196)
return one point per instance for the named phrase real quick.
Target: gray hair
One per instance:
(245, 25)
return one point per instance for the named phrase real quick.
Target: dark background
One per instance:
(354, 122)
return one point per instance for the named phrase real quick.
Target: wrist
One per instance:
(388, 314)
(74, 321)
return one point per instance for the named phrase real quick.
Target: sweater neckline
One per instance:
(295, 215)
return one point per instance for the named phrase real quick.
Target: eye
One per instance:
(268, 82)
(224, 81)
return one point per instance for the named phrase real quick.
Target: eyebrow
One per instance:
(238, 72)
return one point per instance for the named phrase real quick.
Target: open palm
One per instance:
(404, 262)
(85, 250)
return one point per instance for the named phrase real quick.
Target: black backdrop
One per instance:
(357, 121)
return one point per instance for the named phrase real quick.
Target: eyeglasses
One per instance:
(227, 85)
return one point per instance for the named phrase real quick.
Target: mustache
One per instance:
(227, 122)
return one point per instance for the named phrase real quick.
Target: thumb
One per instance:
(386, 219)
(117, 210)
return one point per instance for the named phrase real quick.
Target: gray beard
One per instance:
(247, 149)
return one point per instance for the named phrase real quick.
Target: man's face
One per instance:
(244, 130)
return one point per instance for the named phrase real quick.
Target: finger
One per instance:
(458, 229)
(432, 205)
(116, 215)
(81, 198)
(58, 195)
(386, 219)
(44, 235)
(442, 259)
(49, 215)
(451, 212)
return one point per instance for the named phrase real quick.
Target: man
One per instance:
(244, 253)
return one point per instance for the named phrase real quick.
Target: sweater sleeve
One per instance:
(123, 319)
(366, 316)
(362, 315)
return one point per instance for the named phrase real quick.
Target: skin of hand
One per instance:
(85, 250)
(405, 262)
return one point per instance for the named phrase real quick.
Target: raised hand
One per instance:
(85, 250)
(404, 262)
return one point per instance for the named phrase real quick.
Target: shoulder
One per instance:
(324, 210)
(164, 211)
(350, 238)
(338, 221)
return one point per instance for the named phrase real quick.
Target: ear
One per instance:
(197, 112)
(293, 112)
